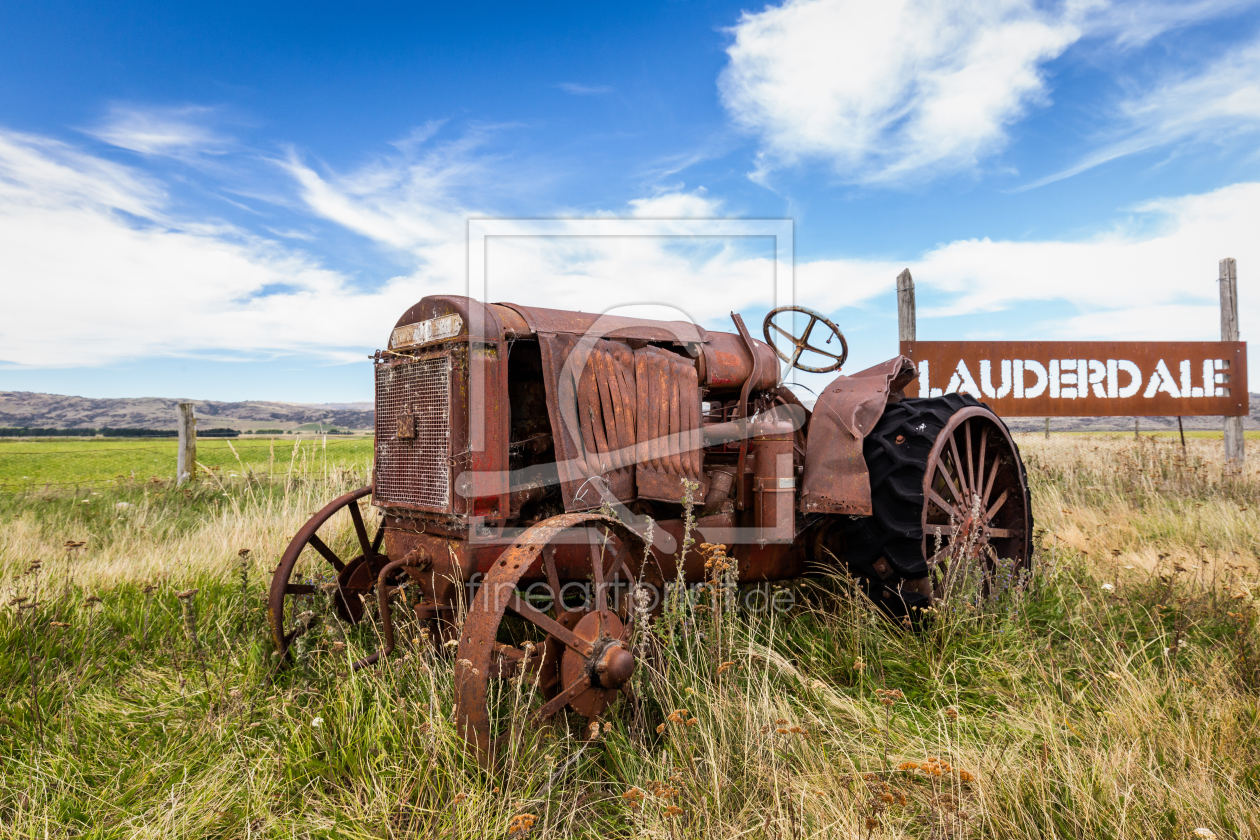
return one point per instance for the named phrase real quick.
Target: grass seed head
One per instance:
(522, 823)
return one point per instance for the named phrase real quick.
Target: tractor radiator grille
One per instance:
(411, 466)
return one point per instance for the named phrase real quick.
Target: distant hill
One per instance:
(26, 409)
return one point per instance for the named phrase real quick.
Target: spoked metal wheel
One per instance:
(575, 658)
(976, 498)
(294, 592)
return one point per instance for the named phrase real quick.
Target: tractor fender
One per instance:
(836, 479)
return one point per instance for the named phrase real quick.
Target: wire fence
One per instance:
(61, 463)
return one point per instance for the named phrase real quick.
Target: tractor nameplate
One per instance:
(426, 332)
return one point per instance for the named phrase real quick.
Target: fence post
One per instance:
(1235, 446)
(186, 462)
(905, 307)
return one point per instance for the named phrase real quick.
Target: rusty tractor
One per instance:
(536, 467)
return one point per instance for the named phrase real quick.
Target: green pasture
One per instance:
(57, 461)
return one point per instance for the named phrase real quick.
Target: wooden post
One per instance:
(1182, 431)
(1137, 423)
(905, 307)
(186, 463)
(1047, 428)
(1235, 447)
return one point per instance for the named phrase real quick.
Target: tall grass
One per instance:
(1093, 701)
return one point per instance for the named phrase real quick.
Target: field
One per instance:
(1117, 694)
(43, 462)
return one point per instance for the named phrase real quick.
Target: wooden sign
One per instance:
(1087, 378)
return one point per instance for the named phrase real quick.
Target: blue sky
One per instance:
(234, 201)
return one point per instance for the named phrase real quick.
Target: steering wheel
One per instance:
(802, 344)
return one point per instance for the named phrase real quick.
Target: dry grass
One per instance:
(1099, 701)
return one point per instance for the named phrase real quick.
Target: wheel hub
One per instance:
(609, 666)
(613, 665)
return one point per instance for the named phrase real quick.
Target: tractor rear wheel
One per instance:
(950, 505)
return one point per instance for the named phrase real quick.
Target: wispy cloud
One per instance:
(584, 90)
(172, 132)
(95, 262)
(1217, 104)
(1136, 23)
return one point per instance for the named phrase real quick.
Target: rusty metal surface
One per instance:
(470, 312)
(668, 432)
(595, 692)
(740, 466)
(835, 478)
(975, 498)
(558, 321)
(476, 657)
(774, 478)
(1119, 378)
(725, 364)
(584, 414)
(473, 436)
(632, 418)
(413, 432)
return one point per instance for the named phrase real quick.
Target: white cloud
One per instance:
(173, 132)
(1142, 286)
(86, 285)
(676, 205)
(893, 91)
(1215, 105)
(98, 268)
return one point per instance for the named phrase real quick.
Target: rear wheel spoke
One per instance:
(988, 487)
(965, 500)
(971, 474)
(1001, 500)
(944, 505)
(949, 482)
